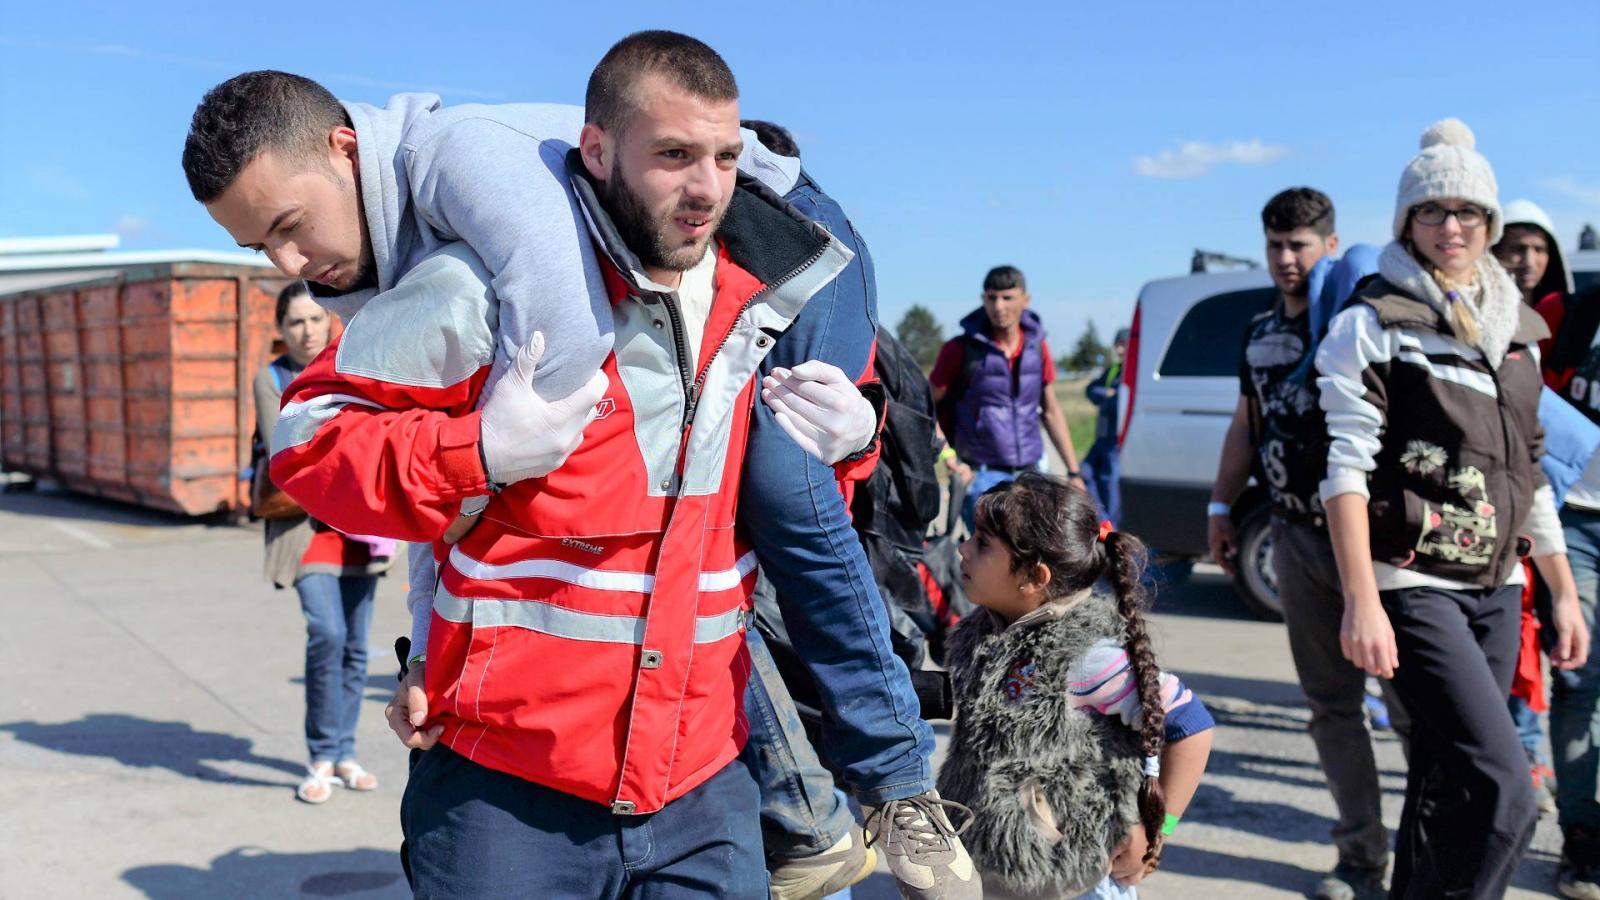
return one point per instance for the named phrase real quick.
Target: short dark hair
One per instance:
(249, 113)
(610, 100)
(291, 292)
(1299, 207)
(1004, 278)
(773, 136)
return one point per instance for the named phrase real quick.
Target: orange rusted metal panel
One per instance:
(137, 387)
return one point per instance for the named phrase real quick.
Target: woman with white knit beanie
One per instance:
(1430, 381)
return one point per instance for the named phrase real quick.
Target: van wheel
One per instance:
(1254, 578)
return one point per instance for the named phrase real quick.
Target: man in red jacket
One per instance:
(585, 660)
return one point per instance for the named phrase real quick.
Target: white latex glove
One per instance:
(820, 409)
(525, 436)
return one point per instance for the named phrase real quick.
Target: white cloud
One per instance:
(1193, 159)
(131, 227)
(1573, 189)
(53, 180)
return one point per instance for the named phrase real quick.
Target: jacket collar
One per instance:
(1051, 611)
(762, 233)
(976, 326)
(1398, 307)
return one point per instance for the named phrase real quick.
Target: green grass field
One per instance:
(1080, 414)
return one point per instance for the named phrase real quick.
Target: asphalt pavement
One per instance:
(150, 729)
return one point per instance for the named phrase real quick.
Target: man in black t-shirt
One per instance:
(1278, 425)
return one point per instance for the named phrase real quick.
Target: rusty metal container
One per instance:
(135, 384)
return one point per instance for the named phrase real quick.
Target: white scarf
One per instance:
(1496, 303)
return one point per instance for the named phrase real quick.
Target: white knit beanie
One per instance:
(1449, 168)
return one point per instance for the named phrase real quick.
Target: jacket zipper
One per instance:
(679, 343)
(1509, 541)
(695, 389)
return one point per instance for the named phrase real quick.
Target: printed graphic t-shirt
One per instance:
(1288, 431)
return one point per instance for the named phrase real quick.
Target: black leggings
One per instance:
(1469, 812)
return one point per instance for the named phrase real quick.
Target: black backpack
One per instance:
(902, 497)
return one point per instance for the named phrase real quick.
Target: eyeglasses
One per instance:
(1432, 214)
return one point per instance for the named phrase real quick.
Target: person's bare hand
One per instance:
(1127, 860)
(1367, 637)
(1571, 649)
(1223, 540)
(459, 528)
(964, 472)
(407, 712)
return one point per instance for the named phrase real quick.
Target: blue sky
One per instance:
(1093, 145)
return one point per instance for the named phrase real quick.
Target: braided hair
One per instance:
(1047, 522)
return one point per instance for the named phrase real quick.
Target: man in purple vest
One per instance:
(991, 387)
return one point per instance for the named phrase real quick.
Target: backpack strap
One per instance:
(281, 376)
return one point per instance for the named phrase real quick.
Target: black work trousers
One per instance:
(1469, 812)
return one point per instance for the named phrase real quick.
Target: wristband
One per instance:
(947, 454)
(420, 657)
(1170, 825)
(1217, 508)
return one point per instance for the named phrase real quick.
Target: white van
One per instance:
(1181, 384)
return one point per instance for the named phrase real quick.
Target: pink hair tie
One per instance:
(1105, 528)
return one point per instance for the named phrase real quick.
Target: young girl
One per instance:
(1074, 752)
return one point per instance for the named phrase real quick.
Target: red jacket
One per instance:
(588, 633)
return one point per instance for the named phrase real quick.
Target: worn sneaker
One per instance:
(830, 871)
(1578, 881)
(1351, 882)
(923, 849)
(1579, 875)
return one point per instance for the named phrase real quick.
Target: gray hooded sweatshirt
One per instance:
(494, 177)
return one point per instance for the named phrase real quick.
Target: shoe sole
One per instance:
(867, 865)
(869, 862)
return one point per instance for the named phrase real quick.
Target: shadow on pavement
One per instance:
(1251, 702)
(131, 741)
(1260, 704)
(57, 503)
(254, 872)
(1256, 767)
(1213, 805)
(1226, 867)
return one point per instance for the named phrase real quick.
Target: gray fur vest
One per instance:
(1052, 788)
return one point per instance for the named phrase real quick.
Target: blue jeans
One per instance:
(791, 510)
(472, 831)
(984, 478)
(1575, 694)
(801, 812)
(1101, 468)
(338, 612)
(1528, 729)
